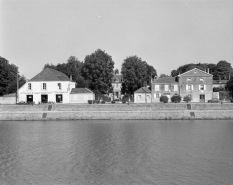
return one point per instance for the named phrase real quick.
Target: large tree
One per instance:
(136, 73)
(8, 77)
(98, 71)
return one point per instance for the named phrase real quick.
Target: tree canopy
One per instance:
(136, 73)
(222, 70)
(98, 71)
(8, 77)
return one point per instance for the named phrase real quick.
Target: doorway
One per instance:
(202, 98)
(44, 98)
(29, 98)
(59, 98)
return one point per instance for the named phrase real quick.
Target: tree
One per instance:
(134, 73)
(8, 74)
(163, 75)
(229, 86)
(12, 87)
(116, 71)
(98, 71)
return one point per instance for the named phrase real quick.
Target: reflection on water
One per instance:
(116, 152)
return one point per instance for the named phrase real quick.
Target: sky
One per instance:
(166, 34)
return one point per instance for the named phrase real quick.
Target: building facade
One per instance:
(165, 86)
(81, 95)
(47, 86)
(117, 84)
(142, 95)
(196, 84)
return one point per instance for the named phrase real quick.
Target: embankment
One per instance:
(116, 111)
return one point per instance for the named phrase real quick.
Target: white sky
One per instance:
(165, 34)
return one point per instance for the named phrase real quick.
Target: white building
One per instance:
(48, 86)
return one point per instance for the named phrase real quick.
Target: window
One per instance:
(189, 87)
(59, 86)
(44, 86)
(156, 87)
(201, 87)
(29, 86)
(175, 87)
(165, 87)
(139, 96)
(148, 96)
(201, 79)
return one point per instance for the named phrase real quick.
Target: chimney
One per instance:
(70, 77)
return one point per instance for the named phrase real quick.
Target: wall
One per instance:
(7, 100)
(52, 90)
(143, 98)
(81, 97)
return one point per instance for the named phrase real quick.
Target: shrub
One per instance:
(164, 99)
(224, 95)
(127, 98)
(103, 102)
(231, 100)
(176, 99)
(97, 101)
(90, 101)
(113, 101)
(187, 99)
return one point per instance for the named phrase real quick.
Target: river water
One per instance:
(101, 152)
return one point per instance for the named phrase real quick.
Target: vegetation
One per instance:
(187, 99)
(176, 99)
(229, 86)
(163, 99)
(136, 74)
(8, 77)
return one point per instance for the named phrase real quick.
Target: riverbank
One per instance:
(154, 111)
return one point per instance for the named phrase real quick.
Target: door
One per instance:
(59, 98)
(44, 98)
(29, 98)
(202, 98)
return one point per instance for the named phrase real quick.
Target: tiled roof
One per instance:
(80, 91)
(143, 90)
(49, 74)
(119, 77)
(165, 80)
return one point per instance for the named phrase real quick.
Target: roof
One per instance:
(80, 91)
(192, 73)
(10, 95)
(143, 90)
(220, 81)
(165, 80)
(119, 77)
(49, 74)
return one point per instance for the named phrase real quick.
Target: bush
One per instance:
(127, 98)
(103, 102)
(176, 99)
(90, 101)
(113, 101)
(123, 101)
(231, 100)
(164, 99)
(224, 95)
(187, 99)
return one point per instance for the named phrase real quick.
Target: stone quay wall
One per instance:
(152, 111)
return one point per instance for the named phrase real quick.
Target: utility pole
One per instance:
(17, 82)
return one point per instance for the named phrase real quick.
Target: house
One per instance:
(196, 84)
(165, 86)
(81, 95)
(142, 95)
(48, 86)
(117, 84)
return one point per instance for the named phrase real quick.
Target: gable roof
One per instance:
(143, 90)
(49, 74)
(80, 91)
(192, 73)
(119, 77)
(165, 80)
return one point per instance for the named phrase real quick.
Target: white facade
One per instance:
(50, 91)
